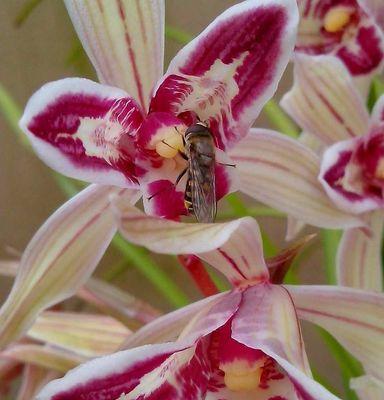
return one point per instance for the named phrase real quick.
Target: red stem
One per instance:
(198, 273)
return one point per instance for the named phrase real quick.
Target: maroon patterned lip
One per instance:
(357, 174)
(358, 43)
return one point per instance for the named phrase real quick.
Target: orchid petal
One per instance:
(183, 375)
(43, 356)
(376, 8)
(354, 317)
(306, 388)
(234, 248)
(368, 388)
(282, 173)
(84, 130)
(232, 68)
(124, 39)
(324, 100)
(359, 262)
(117, 303)
(294, 225)
(276, 332)
(169, 326)
(109, 376)
(84, 334)
(60, 258)
(9, 267)
(34, 378)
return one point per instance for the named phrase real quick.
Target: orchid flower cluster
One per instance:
(126, 136)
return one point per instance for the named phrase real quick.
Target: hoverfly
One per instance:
(200, 190)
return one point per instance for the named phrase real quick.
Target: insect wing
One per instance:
(203, 193)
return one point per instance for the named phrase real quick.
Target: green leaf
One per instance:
(26, 10)
(177, 35)
(349, 366)
(280, 119)
(144, 263)
(375, 92)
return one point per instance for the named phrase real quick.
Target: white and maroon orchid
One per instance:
(291, 177)
(347, 29)
(238, 345)
(330, 108)
(132, 137)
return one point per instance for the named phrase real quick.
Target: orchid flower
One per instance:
(241, 344)
(345, 29)
(132, 137)
(327, 105)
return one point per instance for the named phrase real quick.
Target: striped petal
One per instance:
(368, 388)
(282, 173)
(84, 130)
(168, 327)
(43, 356)
(376, 9)
(33, 379)
(60, 258)
(226, 74)
(294, 225)
(324, 100)
(111, 376)
(234, 248)
(275, 333)
(124, 39)
(89, 335)
(359, 263)
(354, 317)
(118, 303)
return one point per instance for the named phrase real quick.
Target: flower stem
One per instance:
(199, 274)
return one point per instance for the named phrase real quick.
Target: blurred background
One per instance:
(42, 46)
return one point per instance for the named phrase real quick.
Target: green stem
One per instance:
(330, 239)
(280, 119)
(143, 262)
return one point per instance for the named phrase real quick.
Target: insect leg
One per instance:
(182, 173)
(227, 165)
(182, 136)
